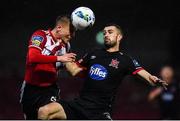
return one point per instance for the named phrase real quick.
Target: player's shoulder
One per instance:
(40, 32)
(39, 35)
(91, 51)
(125, 55)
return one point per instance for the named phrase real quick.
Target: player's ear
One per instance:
(59, 27)
(119, 37)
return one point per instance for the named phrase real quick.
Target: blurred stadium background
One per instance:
(151, 36)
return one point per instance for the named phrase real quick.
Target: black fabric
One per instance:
(76, 111)
(34, 97)
(169, 101)
(105, 71)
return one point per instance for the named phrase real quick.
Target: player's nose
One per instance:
(106, 35)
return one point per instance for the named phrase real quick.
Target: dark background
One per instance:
(151, 36)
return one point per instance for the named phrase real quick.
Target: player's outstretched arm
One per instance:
(153, 80)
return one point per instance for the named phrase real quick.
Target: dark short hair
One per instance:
(116, 25)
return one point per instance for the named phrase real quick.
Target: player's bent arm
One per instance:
(68, 57)
(35, 56)
(148, 77)
(73, 68)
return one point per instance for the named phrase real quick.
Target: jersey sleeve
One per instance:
(35, 56)
(133, 66)
(38, 40)
(84, 60)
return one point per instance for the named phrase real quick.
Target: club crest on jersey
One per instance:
(36, 40)
(98, 72)
(114, 63)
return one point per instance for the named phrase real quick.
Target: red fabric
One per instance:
(35, 56)
(43, 42)
(79, 65)
(40, 69)
(135, 72)
(44, 63)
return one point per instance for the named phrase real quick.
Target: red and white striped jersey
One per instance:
(41, 65)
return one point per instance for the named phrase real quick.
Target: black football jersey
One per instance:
(105, 70)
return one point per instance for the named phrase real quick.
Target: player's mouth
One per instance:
(106, 40)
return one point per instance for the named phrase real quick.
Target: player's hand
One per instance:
(158, 82)
(68, 57)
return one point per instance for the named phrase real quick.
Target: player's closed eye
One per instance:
(110, 31)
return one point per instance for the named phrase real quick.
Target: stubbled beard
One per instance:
(110, 44)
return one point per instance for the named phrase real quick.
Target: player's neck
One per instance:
(54, 33)
(113, 49)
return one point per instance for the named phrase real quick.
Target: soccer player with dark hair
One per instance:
(104, 70)
(47, 52)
